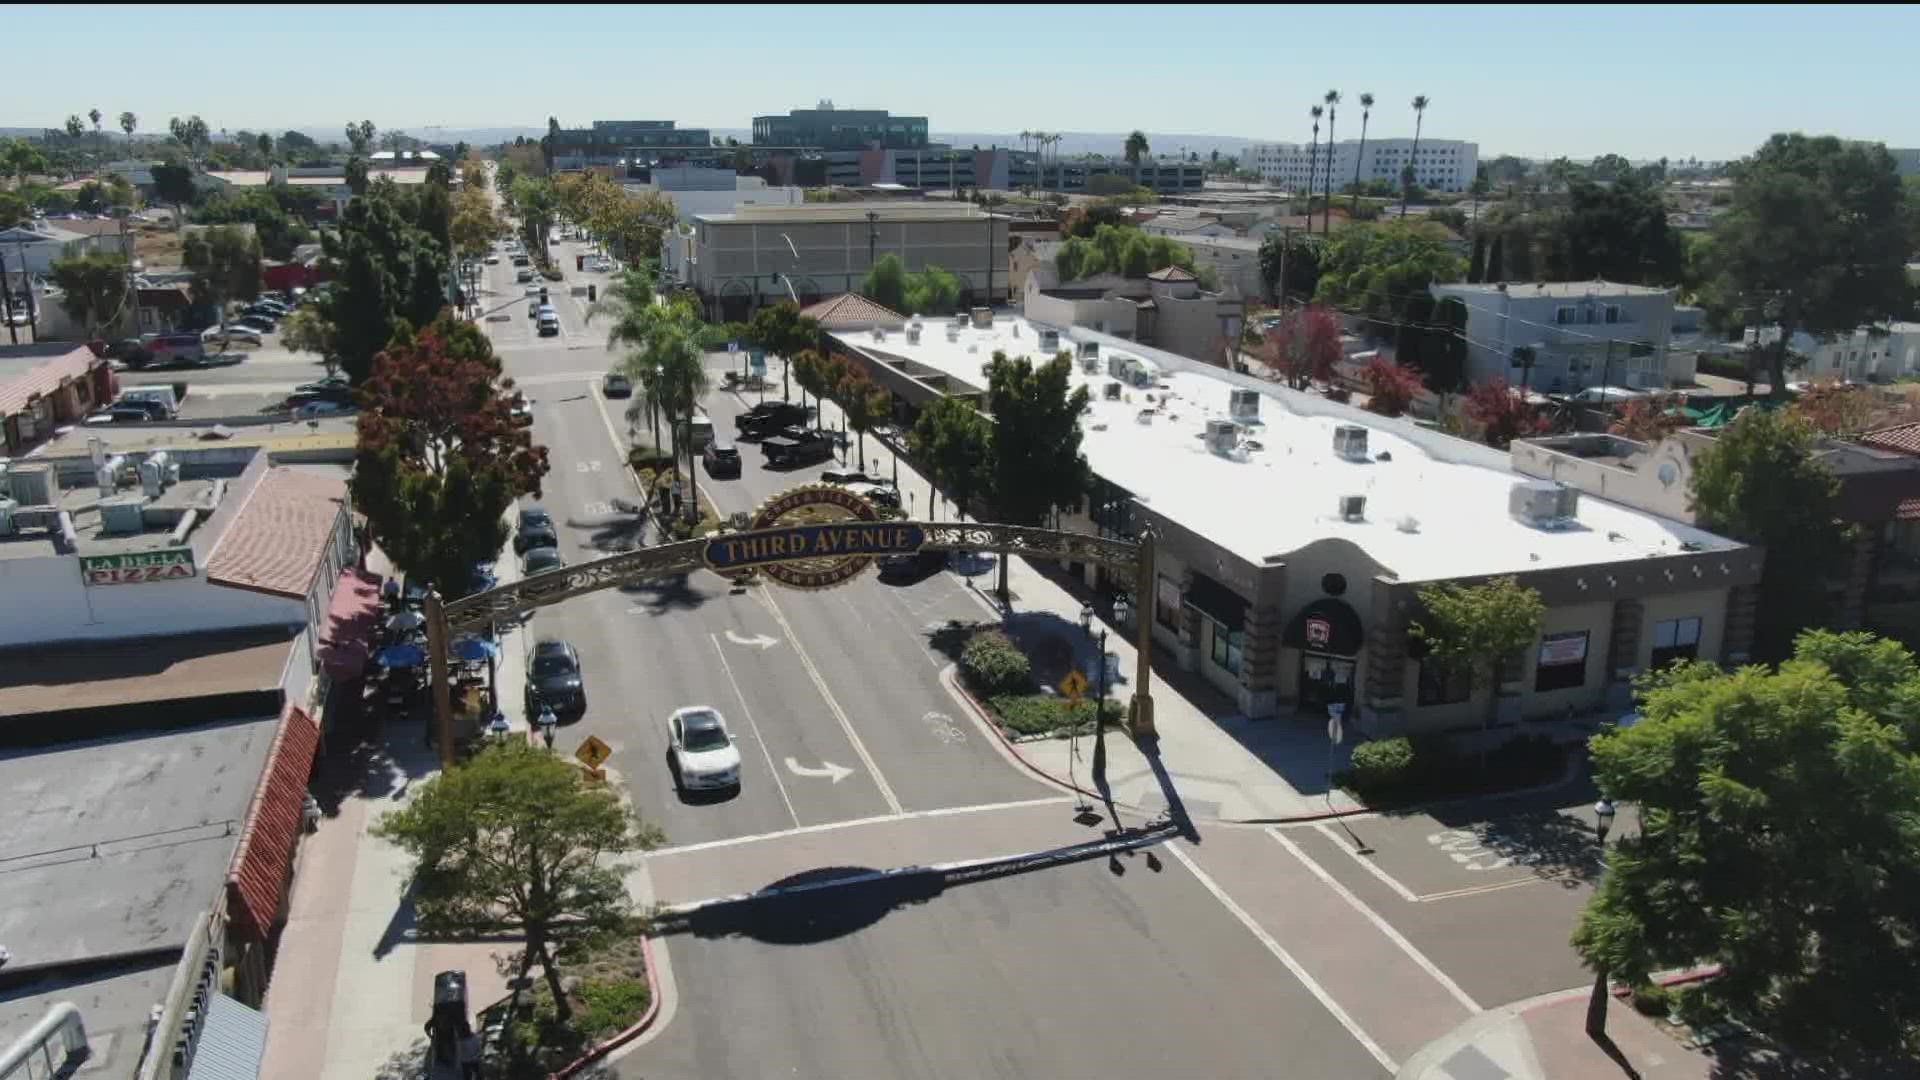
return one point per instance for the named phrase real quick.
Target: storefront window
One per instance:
(1675, 639)
(1228, 647)
(1166, 606)
(1562, 663)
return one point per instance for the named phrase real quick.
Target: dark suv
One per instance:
(769, 417)
(796, 446)
(722, 459)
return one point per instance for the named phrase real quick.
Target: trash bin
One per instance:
(579, 262)
(449, 1025)
(593, 292)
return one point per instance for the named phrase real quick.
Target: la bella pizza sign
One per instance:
(167, 564)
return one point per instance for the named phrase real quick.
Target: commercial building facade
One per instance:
(1295, 535)
(1579, 333)
(739, 261)
(618, 142)
(1438, 164)
(828, 128)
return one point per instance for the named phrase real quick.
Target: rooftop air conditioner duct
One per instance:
(913, 334)
(983, 317)
(33, 485)
(1353, 508)
(123, 515)
(1049, 339)
(108, 475)
(1350, 442)
(1544, 504)
(1243, 405)
(1222, 436)
(153, 477)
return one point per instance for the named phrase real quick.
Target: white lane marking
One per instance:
(1372, 868)
(761, 641)
(1320, 994)
(830, 826)
(833, 706)
(828, 769)
(1379, 923)
(772, 770)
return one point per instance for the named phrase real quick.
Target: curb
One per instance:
(950, 676)
(639, 1026)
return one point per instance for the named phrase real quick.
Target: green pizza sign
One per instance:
(166, 564)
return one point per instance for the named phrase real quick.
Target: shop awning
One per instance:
(1327, 626)
(233, 1040)
(258, 873)
(1217, 602)
(353, 618)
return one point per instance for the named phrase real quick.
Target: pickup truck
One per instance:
(796, 447)
(769, 417)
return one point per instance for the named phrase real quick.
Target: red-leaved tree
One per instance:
(1649, 419)
(1503, 413)
(440, 455)
(1836, 408)
(1390, 387)
(1304, 346)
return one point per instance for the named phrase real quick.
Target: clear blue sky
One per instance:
(1534, 80)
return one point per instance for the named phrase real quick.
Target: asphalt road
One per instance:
(1068, 972)
(835, 696)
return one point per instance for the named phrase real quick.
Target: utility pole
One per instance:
(873, 234)
(1286, 246)
(989, 257)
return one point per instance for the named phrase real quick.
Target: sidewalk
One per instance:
(353, 986)
(1224, 765)
(1546, 1039)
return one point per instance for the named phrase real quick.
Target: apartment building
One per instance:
(1575, 334)
(1438, 164)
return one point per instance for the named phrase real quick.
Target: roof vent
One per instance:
(953, 333)
(1243, 404)
(879, 334)
(1544, 504)
(959, 319)
(1222, 436)
(1049, 339)
(983, 317)
(1353, 508)
(1408, 524)
(122, 515)
(1350, 442)
(913, 334)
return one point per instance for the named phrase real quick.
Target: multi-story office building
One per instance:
(828, 128)
(621, 142)
(1440, 164)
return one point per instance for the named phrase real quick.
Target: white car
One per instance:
(493, 260)
(701, 752)
(232, 333)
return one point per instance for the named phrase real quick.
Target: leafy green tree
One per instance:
(293, 142)
(20, 159)
(192, 136)
(226, 265)
(308, 330)
(782, 331)
(628, 310)
(954, 445)
(1469, 631)
(1301, 260)
(1037, 464)
(357, 176)
(1815, 240)
(866, 405)
(1779, 838)
(678, 365)
(811, 371)
(264, 143)
(93, 288)
(1618, 232)
(440, 457)
(515, 838)
(536, 203)
(1377, 270)
(931, 290)
(279, 233)
(173, 185)
(1759, 482)
(387, 271)
(1136, 147)
(886, 283)
(14, 209)
(360, 138)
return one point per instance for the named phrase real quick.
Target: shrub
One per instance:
(1652, 1000)
(993, 664)
(1382, 763)
(1044, 714)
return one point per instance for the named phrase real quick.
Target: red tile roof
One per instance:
(45, 379)
(258, 872)
(852, 311)
(278, 540)
(1904, 439)
(1907, 510)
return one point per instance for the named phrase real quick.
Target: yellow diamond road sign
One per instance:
(1074, 685)
(592, 752)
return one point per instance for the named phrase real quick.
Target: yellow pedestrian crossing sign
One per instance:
(592, 752)
(1073, 686)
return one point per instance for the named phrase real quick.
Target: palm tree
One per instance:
(128, 122)
(1313, 161)
(681, 381)
(1136, 147)
(94, 115)
(1333, 104)
(1366, 109)
(1026, 140)
(1407, 174)
(627, 304)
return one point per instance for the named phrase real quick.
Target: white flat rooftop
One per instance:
(1285, 495)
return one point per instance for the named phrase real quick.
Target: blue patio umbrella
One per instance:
(404, 655)
(472, 650)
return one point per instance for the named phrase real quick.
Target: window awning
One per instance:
(1217, 602)
(353, 618)
(1327, 626)
(258, 874)
(233, 1040)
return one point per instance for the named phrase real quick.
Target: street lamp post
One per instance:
(1100, 701)
(1603, 812)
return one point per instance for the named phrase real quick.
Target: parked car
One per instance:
(912, 566)
(794, 447)
(130, 352)
(334, 393)
(259, 324)
(848, 476)
(721, 458)
(548, 323)
(769, 417)
(520, 259)
(233, 332)
(120, 414)
(540, 560)
(313, 410)
(700, 750)
(147, 407)
(523, 276)
(336, 381)
(616, 385)
(535, 530)
(554, 677)
(879, 494)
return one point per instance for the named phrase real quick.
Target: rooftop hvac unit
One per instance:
(1244, 405)
(1350, 442)
(1544, 504)
(33, 485)
(7, 507)
(913, 334)
(1090, 365)
(123, 515)
(983, 317)
(1222, 436)
(1111, 391)
(1353, 508)
(1089, 348)
(959, 319)
(153, 478)
(953, 333)
(1049, 339)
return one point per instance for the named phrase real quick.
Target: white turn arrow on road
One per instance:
(761, 640)
(828, 768)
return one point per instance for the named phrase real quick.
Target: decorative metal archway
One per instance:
(522, 598)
